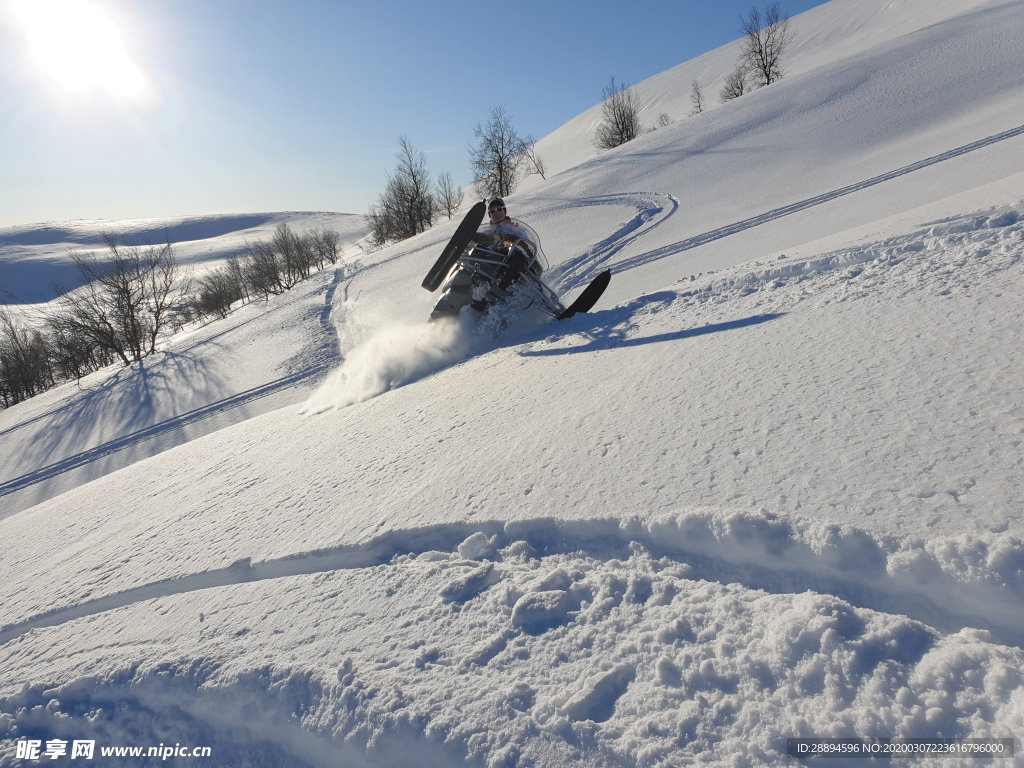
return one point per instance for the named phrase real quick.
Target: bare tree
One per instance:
(697, 98)
(24, 361)
(620, 116)
(534, 163)
(662, 121)
(217, 292)
(498, 155)
(324, 242)
(406, 207)
(126, 302)
(261, 270)
(295, 256)
(449, 197)
(766, 39)
(237, 274)
(72, 355)
(735, 85)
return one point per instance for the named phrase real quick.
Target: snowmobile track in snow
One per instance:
(114, 446)
(599, 256)
(758, 551)
(333, 354)
(652, 208)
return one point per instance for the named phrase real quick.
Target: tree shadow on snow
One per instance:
(603, 336)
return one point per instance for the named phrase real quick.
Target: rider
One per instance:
(484, 276)
(501, 225)
(504, 228)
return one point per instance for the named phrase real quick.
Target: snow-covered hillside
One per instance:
(771, 487)
(34, 257)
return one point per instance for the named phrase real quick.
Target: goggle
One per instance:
(499, 208)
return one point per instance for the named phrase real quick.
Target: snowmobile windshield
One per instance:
(517, 230)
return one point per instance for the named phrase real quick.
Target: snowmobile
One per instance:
(480, 269)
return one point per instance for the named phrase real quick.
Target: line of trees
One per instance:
(263, 269)
(26, 363)
(134, 295)
(499, 158)
(123, 306)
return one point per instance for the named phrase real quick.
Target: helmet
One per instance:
(495, 203)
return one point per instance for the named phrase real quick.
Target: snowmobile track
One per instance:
(652, 208)
(802, 205)
(114, 446)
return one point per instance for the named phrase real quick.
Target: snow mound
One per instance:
(597, 650)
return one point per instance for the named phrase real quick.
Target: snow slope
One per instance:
(771, 487)
(202, 380)
(823, 37)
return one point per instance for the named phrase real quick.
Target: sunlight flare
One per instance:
(77, 44)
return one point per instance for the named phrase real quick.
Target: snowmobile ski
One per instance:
(586, 300)
(455, 247)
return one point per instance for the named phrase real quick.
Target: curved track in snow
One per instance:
(759, 551)
(802, 205)
(652, 208)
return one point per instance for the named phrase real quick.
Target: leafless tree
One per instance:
(261, 270)
(237, 274)
(24, 361)
(73, 356)
(498, 155)
(662, 121)
(324, 242)
(620, 116)
(766, 39)
(125, 303)
(735, 85)
(449, 197)
(295, 255)
(534, 163)
(217, 292)
(696, 98)
(406, 207)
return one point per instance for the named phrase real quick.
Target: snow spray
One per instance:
(392, 357)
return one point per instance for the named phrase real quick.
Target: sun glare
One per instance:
(79, 46)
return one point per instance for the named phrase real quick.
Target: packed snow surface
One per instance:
(770, 487)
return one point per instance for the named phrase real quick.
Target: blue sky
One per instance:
(266, 106)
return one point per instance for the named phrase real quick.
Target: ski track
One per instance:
(759, 551)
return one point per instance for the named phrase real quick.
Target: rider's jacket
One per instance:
(509, 228)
